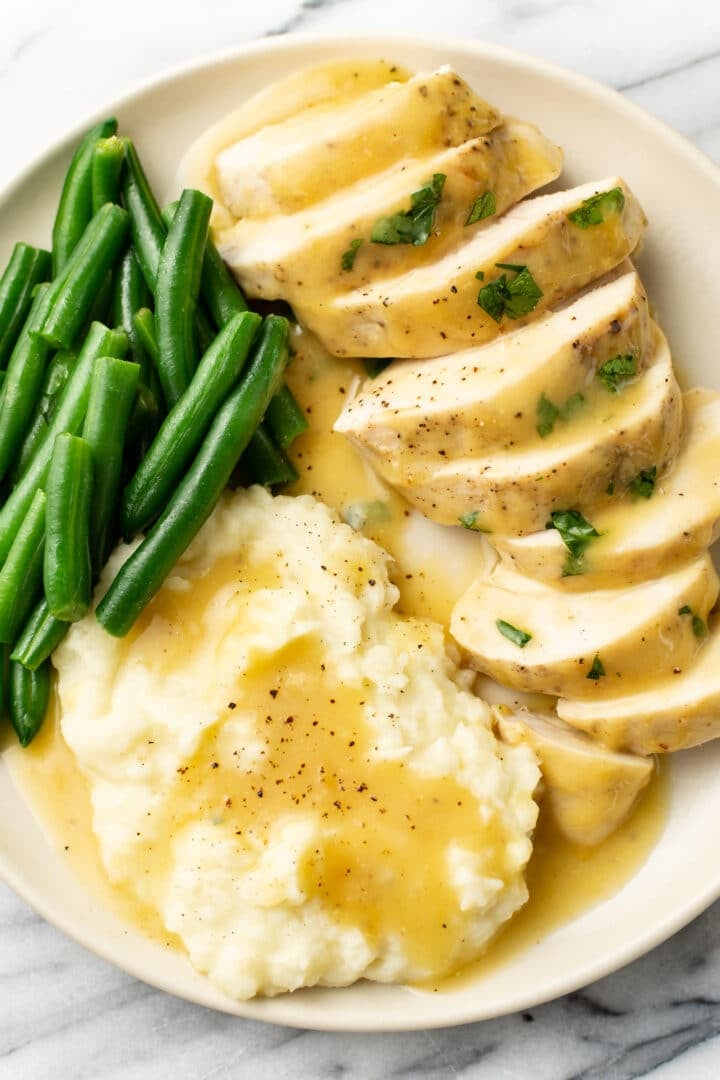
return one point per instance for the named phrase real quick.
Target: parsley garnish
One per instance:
(411, 226)
(571, 406)
(484, 206)
(518, 637)
(617, 370)
(610, 489)
(699, 626)
(348, 257)
(576, 533)
(644, 483)
(597, 670)
(592, 211)
(471, 520)
(548, 412)
(514, 298)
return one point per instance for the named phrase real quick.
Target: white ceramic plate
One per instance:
(680, 189)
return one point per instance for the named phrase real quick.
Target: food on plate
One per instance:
(296, 753)
(675, 712)
(676, 524)
(276, 814)
(601, 441)
(570, 635)
(590, 788)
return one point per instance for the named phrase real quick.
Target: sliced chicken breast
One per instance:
(589, 788)
(674, 713)
(606, 442)
(433, 310)
(583, 645)
(487, 397)
(291, 164)
(641, 538)
(291, 256)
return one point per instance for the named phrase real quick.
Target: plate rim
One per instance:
(283, 1011)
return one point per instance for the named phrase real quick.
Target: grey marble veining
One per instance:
(66, 1014)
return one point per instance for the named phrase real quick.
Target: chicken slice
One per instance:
(470, 401)
(643, 537)
(296, 162)
(433, 309)
(284, 257)
(589, 788)
(584, 645)
(607, 441)
(675, 713)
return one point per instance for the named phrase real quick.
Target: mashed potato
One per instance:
(293, 775)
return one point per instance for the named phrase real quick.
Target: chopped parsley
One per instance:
(576, 533)
(610, 489)
(483, 207)
(348, 257)
(644, 483)
(512, 633)
(571, 406)
(547, 412)
(592, 211)
(699, 626)
(597, 670)
(411, 226)
(616, 371)
(375, 366)
(514, 298)
(471, 521)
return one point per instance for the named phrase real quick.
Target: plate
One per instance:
(602, 134)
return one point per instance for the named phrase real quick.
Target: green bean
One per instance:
(218, 287)
(56, 375)
(29, 696)
(144, 322)
(112, 394)
(224, 299)
(40, 636)
(142, 428)
(186, 424)
(4, 650)
(266, 463)
(21, 574)
(176, 293)
(130, 295)
(146, 225)
(204, 327)
(27, 268)
(67, 575)
(285, 418)
(75, 209)
(106, 171)
(72, 295)
(68, 417)
(23, 382)
(200, 488)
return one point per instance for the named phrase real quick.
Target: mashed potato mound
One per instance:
(293, 775)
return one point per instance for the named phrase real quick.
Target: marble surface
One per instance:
(66, 1014)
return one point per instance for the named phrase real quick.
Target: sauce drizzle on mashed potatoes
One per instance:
(296, 777)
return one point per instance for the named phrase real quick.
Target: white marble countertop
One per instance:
(66, 1014)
